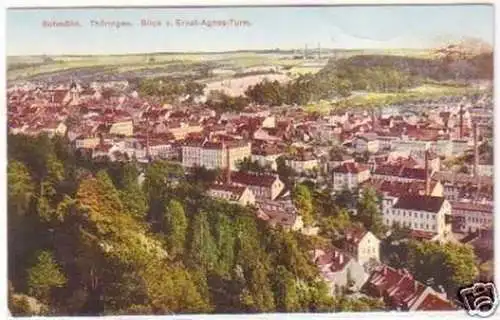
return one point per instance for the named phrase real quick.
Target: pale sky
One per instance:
(356, 27)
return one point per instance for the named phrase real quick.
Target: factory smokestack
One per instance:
(427, 180)
(461, 121)
(228, 163)
(476, 149)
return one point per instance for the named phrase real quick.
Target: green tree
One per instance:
(202, 247)
(175, 224)
(226, 242)
(451, 265)
(303, 202)
(332, 226)
(287, 299)
(44, 276)
(20, 187)
(368, 211)
(131, 194)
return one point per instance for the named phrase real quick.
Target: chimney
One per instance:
(228, 163)
(427, 180)
(476, 150)
(461, 121)
(341, 258)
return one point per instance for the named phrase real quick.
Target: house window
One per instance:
(415, 214)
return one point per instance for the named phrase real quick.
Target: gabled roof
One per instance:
(350, 167)
(433, 302)
(420, 203)
(333, 260)
(354, 235)
(253, 179)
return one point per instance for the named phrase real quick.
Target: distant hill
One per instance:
(477, 67)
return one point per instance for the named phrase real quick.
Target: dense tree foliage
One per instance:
(91, 248)
(221, 102)
(303, 202)
(169, 90)
(450, 265)
(368, 212)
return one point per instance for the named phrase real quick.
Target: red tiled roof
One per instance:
(388, 170)
(350, 167)
(334, 259)
(472, 207)
(354, 235)
(420, 203)
(417, 234)
(413, 173)
(103, 147)
(252, 179)
(59, 95)
(434, 303)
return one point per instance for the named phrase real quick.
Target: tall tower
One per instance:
(476, 149)
(227, 170)
(427, 179)
(228, 163)
(461, 115)
(305, 51)
(148, 152)
(319, 51)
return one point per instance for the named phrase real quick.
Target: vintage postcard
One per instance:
(252, 159)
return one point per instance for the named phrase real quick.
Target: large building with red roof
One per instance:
(400, 291)
(422, 213)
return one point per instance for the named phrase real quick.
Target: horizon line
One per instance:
(300, 50)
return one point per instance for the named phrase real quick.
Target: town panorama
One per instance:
(311, 179)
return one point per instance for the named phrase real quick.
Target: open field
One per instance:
(237, 86)
(374, 99)
(22, 67)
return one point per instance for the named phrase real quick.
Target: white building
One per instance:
(302, 163)
(339, 270)
(125, 128)
(183, 129)
(86, 142)
(163, 150)
(471, 217)
(362, 245)
(266, 158)
(418, 212)
(443, 148)
(234, 194)
(264, 186)
(280, 213)
(214, 155)
(367, 143)
(55, 128)
(405, 145)
(349, 175)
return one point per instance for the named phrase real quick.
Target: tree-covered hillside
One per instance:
(86, 238)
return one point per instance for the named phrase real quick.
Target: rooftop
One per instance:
(420, 203)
